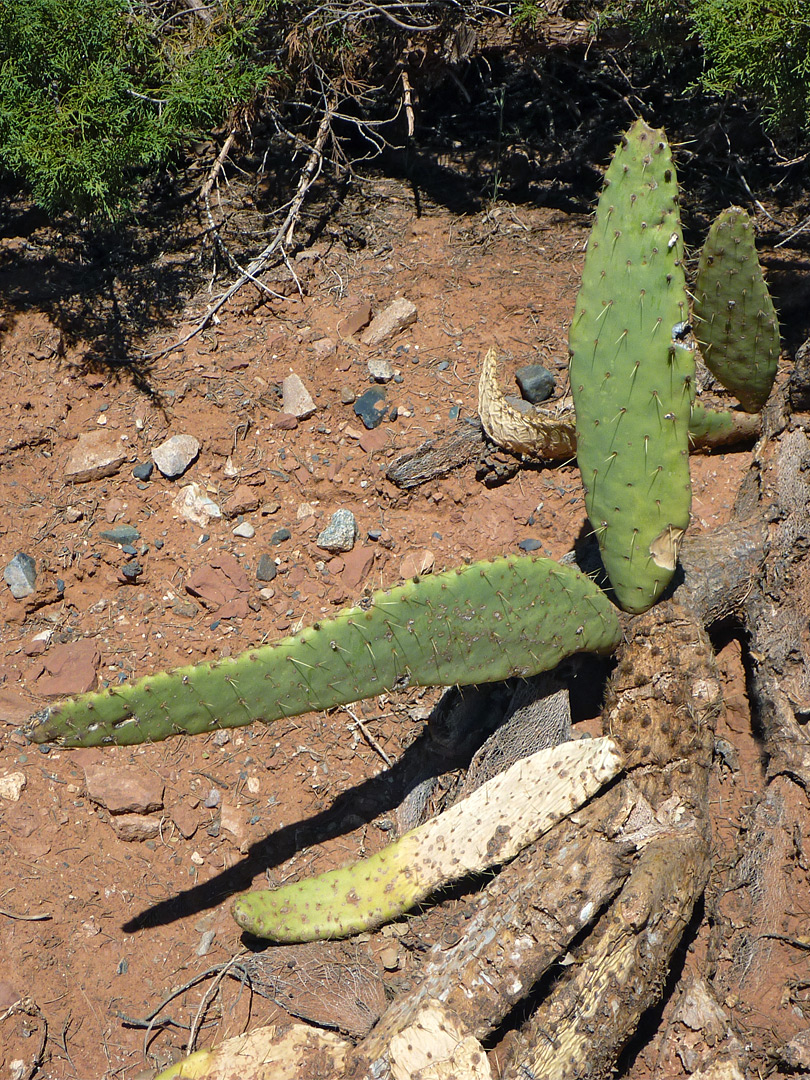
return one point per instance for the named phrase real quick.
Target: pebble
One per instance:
(266, 570)
(97, 454)
(132, 570)
(347, 395)
(380, 370)
(20, 574)
(243, 500)
(123, 790)
(206, 941)
(245, 530)
(212, 799)
(341, 532)
(12, 786)
(143, 470)
(121, 534)
(530, 544)
(297, 400)
(175, 455)
(536, 383)
(279, 536)
(195, 506)
(393, 319)
(134, 827)
(355, 320)
(371, 408)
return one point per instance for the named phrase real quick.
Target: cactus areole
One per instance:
(481, 623)
(632, 374)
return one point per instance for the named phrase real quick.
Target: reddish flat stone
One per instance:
(357, 564)
(69, 669)
(123, 790)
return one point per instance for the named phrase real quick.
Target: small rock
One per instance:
(381, 370)
(206, 941)
(69, 669)
(530, 544)
(243, 500)
(245, 530)
(212, 799)
(341, 532)
(355, 320)
(285, 421)
(221, 738)
(175, 455)
(143, 470)
(195, 506)
(399, 314)
(266, 570)
(389, 957)
(20, 574)
(372, 441)
(356, 565)
(97, 454)
(416, 563)
(297, 400)
(12, 786)
(186, 820)
(371, 408)
(121, 534)
(324, 347)
(520, 404)
(132, 570)
(279, 536)
(134, 827)
(347, 395)
(536, 383)
(123, 790)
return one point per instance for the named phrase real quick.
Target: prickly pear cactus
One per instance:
(735, 320)
(480, 623)
(632, 377)
(487, 828)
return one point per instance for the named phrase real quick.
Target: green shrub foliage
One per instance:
(93, 90)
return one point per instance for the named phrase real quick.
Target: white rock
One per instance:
(12, 786)
(195, 506)
(175, 455)
(391, 320)
(245, 530)
(297, 400)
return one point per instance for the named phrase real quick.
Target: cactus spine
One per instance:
(481, 623)
(489, 827)
(735, 320)
(632, 379)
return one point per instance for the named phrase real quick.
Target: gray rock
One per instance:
(297, 400)
(266, 570)
(143, 470)
(371, 408)
(381, 370)
(20, 574)
(175, 455)
(536, 383)
(341, 532)
(120, 534)
(245, 530)
(391, 320)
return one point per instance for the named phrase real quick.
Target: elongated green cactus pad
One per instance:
(632, 377)
(480, 623)
(489, 827)
(735, 320)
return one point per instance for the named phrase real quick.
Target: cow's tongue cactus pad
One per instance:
(632, 378)
(487, 828)
(481, 623)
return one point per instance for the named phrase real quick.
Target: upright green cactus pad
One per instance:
(735, 320)
(632, 377)
(480, 623)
